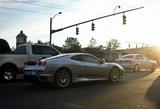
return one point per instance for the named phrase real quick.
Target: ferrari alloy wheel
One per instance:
(63, 78)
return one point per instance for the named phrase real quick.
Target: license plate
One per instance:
(30, 73)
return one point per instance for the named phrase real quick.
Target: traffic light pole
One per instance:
(54, 31)
(50, 42)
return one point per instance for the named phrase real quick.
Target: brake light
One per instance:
(24, 63)
(128, 61)
(42, 63)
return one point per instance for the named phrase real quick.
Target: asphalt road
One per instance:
(140, 90)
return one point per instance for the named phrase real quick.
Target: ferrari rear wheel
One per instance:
(63, 78)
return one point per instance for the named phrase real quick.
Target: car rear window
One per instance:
(128, 56)
(20, 50)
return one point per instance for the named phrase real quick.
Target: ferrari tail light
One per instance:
(42, 63)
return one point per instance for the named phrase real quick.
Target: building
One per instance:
(21, 38)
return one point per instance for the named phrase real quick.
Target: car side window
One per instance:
(77, 58)
(145, 58)
(20, 50)
(90, 59)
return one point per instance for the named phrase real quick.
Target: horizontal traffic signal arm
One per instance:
(91, 20)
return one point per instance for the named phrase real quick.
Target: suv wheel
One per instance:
(8, 73)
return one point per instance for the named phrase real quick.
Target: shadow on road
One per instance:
(153, 93)
(11, 82)
(45, 96)
(83, 84)
(92, 94)
(130, 76)
(142, 70)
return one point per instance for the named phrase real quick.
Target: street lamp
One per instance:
(50, 42)
(118, 6)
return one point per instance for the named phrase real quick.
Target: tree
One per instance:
(113, 45)
(93, 43)
(44, 43)
(72, 45)
(29, 42)
(39, 42)
(100, 47)
(58, 48)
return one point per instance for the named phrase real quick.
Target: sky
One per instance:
(33, 17)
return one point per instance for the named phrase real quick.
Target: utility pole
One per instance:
(143, 44)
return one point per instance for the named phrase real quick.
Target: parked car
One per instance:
(64, 69)
(136, 62)
(12, 62)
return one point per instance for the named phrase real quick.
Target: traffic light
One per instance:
(93, 26)
(124, 19)
(77, 30)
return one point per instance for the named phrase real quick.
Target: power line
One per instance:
(43, 4)
(22, 10)
(38, 3)
(48, 3)
(15, 1)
